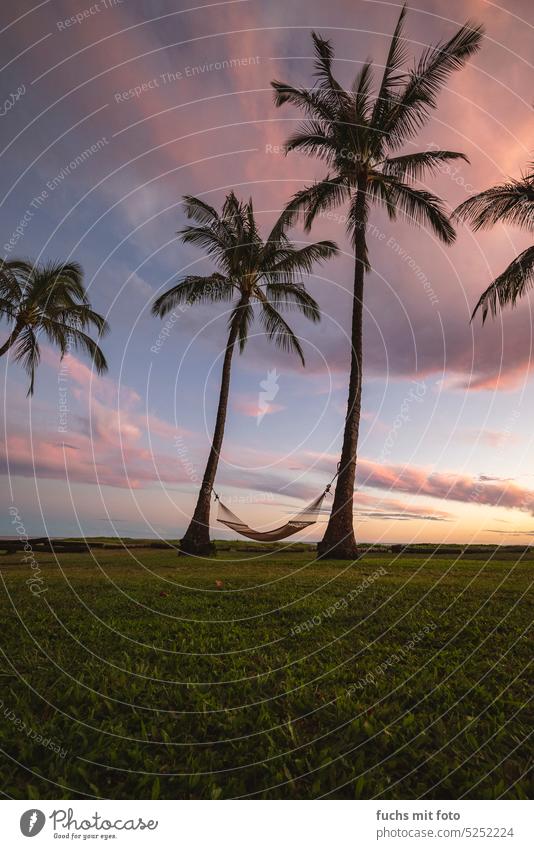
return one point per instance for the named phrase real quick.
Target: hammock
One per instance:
(302, 520)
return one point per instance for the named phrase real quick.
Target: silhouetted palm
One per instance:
(47, 300)
(511, 203)
(252, 272)
(358, 135)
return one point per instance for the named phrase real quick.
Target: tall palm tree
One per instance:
(511, 203)
(47, 300)
(252, 272)
(359, 135)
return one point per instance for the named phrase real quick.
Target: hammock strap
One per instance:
(329, 486)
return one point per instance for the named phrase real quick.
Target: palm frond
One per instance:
(277, 238)
(426, 80)
(391, 77)
(319, 197)
(361, 88)
(334, 94)
(194, 289)
(278, 330)
(57, 332)
(233, 212)
(293, 296)
(205, 238)
(511, 203)
(253, 234)
(312, 101)
(413, 166)
(379, 192)
(83, 342)
(78, 316)
(312, 137)
(28, 354)
(16, 266)
(199, 211)
(421, 207)
(67, 337)
(14, 276)
(234, 219)
(302, 260)
(7, 309)
(58, 281)
(512, 284)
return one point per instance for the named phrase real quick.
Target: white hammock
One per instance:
(302, 520)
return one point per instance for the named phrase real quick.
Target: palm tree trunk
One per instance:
(11, 339)
(339, 542)
(196, 539)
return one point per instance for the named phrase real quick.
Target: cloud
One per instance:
(448, 486)
(392, 510)
(253, 408)
(491, 438)
(510, 533)
(109, 437)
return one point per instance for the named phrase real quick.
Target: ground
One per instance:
(140, 674)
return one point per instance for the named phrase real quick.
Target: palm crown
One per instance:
(49, 300)
(252, 271)
(511, 203)
(358, 134)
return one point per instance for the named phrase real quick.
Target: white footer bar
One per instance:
(269, 824)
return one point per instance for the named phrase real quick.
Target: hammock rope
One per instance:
(306, 517)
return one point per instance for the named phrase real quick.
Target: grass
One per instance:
(399, 677)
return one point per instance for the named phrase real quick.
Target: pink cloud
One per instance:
(93, 384)
(105, 437)
(506, 380)
(253, 409)
(448, 486)
(492, 438)
(43, 456)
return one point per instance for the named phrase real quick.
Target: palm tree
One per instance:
(251, 273)
(511, 203)
(50, 300)
(359, 135)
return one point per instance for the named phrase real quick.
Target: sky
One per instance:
(111, 113)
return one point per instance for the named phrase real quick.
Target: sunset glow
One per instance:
(113, 118)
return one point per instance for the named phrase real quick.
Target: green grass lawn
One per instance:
(399, 677)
